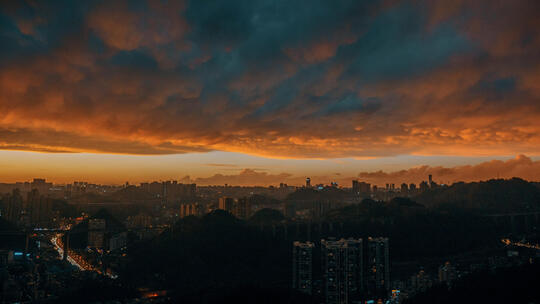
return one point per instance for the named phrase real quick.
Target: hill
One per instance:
(201, 260)
(493, 196)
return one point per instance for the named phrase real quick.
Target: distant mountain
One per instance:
(497, 195)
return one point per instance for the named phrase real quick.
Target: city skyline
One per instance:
(270, 151)
(258, 171)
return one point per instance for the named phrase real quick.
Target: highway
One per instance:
(75, 259)
(508, 242)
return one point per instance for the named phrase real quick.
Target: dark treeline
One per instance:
(493, 196)
(204, 260)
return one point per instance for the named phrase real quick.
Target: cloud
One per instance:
(349, 79)
(521, 166)
(247, 177)
(221, 165)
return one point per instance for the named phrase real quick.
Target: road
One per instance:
(508, 242)
(73, 258)
(76, 259)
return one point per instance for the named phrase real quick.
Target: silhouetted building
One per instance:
(308, 182)
(404, 189)
(378, 264)
(194, 209)
(302, 264)
(41, 185)
(412, 188)
(170, 191)
(226, 203)
(361, 188)
(447, 273)
(242, 208)
(96, 233)
(117, 241)
(342, 269)
(12, 206)
(421, 281)
(424, 186)
(39, 208)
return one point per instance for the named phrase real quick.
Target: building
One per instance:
(361, 188)
(342, 265)
(424, 186)
(170, 191)
(404, 188)
(194, 209)
(242, 208)
(302, 278)
(447, 273)
(308, 182)
(39, 208)
(378, 265)
(41, 185)
(421, 282)
(96, 233)
(226, 203)
(12, 206)
(117, 241)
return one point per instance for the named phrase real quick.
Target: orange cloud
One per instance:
(301, 100)
(521, 166)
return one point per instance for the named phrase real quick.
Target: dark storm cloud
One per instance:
(275, 78)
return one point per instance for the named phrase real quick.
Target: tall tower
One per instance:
(378, 265)
(308, 182)
(226, 203)
(303, 266)
(342, 269)
(243, 208)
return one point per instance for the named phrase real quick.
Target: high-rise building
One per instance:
(424, 186)
(96, 233)
(421, 281)
(404, 188)
(226, 203)
(41, 185)
(39, 208)
(447, 273)
(378, 264)
(343, 269)
(12, 206)
(242, 208)
(361, 188)
(308, 182)
(302, 278)
(194, 209)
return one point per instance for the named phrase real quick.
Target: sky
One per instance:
(258, 92)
